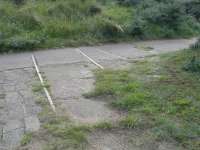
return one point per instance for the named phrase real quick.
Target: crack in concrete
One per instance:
(16, 99)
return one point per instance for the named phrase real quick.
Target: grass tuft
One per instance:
(129, 122)
(26, 139)
(103, 126)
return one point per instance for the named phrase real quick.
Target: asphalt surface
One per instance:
(70, 75)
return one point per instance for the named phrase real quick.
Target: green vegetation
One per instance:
(103, 126)
(129, 122)
(29, 25)
(26, 139)
(193, 64)
(158, 95)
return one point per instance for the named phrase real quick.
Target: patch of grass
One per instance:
(129, 122)
(38, 87)
(26, 139)
(60, 132)
(103, 126)
(163, 96)
(64, 132)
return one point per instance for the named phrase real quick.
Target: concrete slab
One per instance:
(68, 83)
(11, 61)
(59, 56)
(125, 50)
(18, 106)
(97, 54)
(69, 80)
(32, 124)
(13, 125)
(12, 139)
(70, 75)
(165, 46)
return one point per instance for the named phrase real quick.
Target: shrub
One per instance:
(193, 65)
(192, 8)
(94, 9)
(27, 19)
(138, 26)
(18, 43)
(108, 28)
(163, 19)
(18, 2)
(164, 14)
(129, 2)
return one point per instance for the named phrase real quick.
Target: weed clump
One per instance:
(129, 122)
(193, 65)
(26, 139)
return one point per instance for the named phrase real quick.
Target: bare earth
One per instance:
(70, 75)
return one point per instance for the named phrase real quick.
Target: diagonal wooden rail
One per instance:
(43, 83)
(90, 59)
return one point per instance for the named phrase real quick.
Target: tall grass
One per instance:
(56, 23)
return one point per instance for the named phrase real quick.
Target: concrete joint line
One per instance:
(13, 130)
(13, 69)
(90, 59)
(43, 84)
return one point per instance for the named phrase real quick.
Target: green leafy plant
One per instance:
(26, 139)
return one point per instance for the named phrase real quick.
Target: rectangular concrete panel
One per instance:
(59, 56)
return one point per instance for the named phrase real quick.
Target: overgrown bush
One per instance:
(170, 14)
(106, 29)
(18, 2)
(129, 2)
(18, 43)
(94, 9)
(193, 8)
(163, 19)
(193, 65)
(66, 22)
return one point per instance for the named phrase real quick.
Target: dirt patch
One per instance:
(127, 140)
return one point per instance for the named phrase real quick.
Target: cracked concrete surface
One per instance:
(18, 112)
(70, 75)
(68, 83)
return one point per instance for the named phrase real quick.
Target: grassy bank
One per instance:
(37, 24)
(158, 94)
